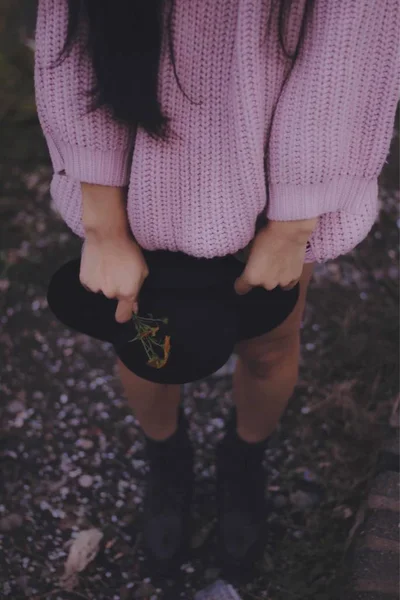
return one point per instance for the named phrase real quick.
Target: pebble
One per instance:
(220, 590)
(85, 481)
(15, 406)
(86, 444)
(187, 568)
(138, 464)
(75, 472)
(298, 534)
(6, 588)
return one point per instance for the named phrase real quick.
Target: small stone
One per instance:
(6, 588)
(85, 481)
(75, 472)
(4, 285)
(343, 512)
(219, 589)
(219, 423)
(20, 419)
(86, 444)
(297, 534)
(15, 406)
(138, 464)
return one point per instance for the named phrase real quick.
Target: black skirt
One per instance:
(258, 313)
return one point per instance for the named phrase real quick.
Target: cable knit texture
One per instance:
(201, 191)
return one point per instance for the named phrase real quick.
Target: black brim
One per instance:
(204, 322)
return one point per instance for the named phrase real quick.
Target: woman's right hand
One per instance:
(111, 261)
(115, 266)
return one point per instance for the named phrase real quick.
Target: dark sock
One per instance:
(241, 502)
(171, 448)
(240, 449)
(181, 428)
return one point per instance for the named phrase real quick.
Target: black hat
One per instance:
(189, 318)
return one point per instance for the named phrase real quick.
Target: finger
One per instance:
(88, 289)
(242, 286)
(124, 310)
(290, 286)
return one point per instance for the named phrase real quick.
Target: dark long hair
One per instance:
(125, 36)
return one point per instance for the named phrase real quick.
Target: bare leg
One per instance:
(155, 405)
(266, 373)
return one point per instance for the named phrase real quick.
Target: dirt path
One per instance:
(72, 455)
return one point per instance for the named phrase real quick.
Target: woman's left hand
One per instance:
(276, 256)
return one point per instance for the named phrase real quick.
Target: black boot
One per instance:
(168, 499)
(241, 502)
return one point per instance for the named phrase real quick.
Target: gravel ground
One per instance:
(72, 455)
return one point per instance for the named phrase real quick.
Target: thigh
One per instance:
(279, 337)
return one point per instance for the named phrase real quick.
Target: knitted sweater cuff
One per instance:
(291, 202)
(103, 167)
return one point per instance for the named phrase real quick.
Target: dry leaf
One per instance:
(358, 521)
(10, 522)
(146, 590)
(82, 551)
(394, 420)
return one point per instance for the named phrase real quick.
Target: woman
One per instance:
(211, 127)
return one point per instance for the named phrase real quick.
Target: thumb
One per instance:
(124, 310)
(242, 286)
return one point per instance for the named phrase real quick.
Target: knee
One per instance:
(282, 356)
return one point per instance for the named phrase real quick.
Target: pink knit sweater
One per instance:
(201, 194)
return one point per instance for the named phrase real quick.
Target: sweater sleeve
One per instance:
(88, 146)
(334, 120)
